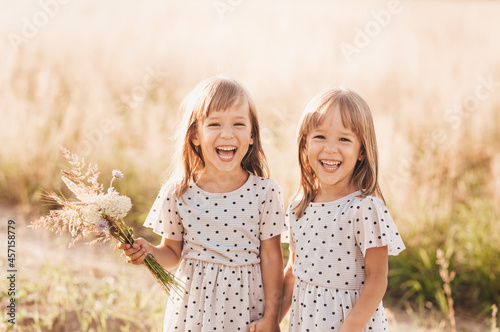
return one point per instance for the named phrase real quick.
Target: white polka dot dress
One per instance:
(330, 241)
(221, 234)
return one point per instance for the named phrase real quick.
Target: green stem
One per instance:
(166, 279)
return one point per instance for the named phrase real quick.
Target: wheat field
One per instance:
(105, 79)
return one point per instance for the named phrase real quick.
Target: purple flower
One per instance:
(101, 225)
(117, 174)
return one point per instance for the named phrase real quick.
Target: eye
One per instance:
(240, 124)
(318, 137)
(343, 139)
(213, 124)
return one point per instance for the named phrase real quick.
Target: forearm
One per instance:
(273, 288)
(376, 269)
(369, 299)
(272, 278)
(166, 256)
(287, 290)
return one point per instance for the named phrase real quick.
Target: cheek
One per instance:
(312, 149)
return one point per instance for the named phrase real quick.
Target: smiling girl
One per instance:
(220, 217)
(340, 230)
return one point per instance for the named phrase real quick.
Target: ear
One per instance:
(361, 155)
(303, 150)
(195, 139)
(251, 140)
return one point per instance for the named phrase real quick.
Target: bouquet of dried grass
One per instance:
(97, 212)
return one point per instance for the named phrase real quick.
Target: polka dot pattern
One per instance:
(222, 298)
(221, 234)
(330, 241)
(317, 308)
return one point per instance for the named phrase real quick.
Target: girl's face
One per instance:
(224, 138)
(333, 151)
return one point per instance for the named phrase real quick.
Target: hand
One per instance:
(252, 326)
(136, 253)
(350, 328)
(264, 325)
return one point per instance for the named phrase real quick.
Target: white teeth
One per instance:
(230, 149)
(226, 148)
(331, 163)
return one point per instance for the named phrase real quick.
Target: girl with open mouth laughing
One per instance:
(220, 217)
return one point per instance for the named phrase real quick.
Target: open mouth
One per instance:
(226, 152)
(329, 165)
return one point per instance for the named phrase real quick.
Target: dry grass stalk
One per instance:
(447, 278)
(494, 312)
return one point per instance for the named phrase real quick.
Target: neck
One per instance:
(332, 194)
(221, 182)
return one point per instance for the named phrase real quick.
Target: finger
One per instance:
(134, 252)
(140, 241)
(123, 246)
(136, 255)
(139, 253)
(139, 258)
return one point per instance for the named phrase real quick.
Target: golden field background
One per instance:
(105, 79)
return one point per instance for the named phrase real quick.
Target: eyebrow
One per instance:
(238, 117)
(342, 133)
(347, 133)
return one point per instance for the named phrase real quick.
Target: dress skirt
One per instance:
(325, 309)
(221, 297)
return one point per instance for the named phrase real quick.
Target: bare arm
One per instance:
(271, 262)
(376, 268)
(167, 253)
(288, 285)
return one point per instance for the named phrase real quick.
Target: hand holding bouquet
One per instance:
(97, 212)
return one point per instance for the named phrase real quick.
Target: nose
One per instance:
(227, 132)
(331, 148)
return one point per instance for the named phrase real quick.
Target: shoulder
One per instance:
(369, 200)
(167, 193)
(264, 184)
(167, 189)
(292, 208)
(293, 204)
(370, 204)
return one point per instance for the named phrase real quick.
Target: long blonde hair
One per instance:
(211, 95)
(356, 115)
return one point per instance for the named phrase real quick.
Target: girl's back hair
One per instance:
(357, 116)
(211, 95)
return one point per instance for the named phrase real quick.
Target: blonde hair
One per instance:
(212, 95)
(356, 115)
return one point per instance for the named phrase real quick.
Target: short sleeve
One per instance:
(286, 236)
(272, 214)
(374, 227)
(164, 216)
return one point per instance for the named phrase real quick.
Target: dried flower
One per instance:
(91, 213)
(98, 213)
(102, 225)
(117, 174)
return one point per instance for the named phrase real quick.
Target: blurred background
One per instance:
(105, 79)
